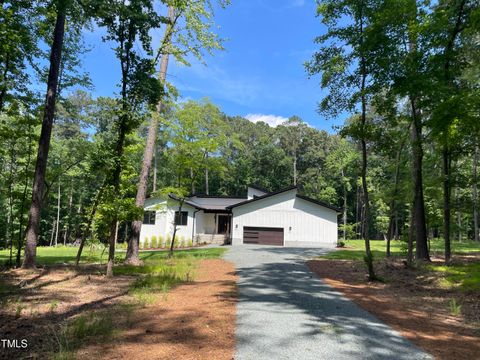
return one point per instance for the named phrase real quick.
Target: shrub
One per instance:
(143, 243)
(181, 243)
(169, 241)
(154, 243)
(189, 243)
(340, 244)
(161, 241)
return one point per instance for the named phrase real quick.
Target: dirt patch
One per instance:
(194, 321)
(413, 303)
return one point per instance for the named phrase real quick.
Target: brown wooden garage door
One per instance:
(262, 235)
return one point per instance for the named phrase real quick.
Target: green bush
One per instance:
(181, 243)
(161, 241)
(169, 241)
(189, 243)
(143, 243)
(154, 243)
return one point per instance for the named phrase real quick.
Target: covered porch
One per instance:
(212, 226)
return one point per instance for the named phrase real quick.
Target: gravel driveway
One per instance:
(285, 312)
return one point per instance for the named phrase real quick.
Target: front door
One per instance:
(223, 224)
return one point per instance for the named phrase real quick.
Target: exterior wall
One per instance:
(303, 223)
(251, 192)
(164, 221)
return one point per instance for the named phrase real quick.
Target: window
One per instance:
(149, 217)
(181, 218)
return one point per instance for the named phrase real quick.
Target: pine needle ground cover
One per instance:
(437, 307)
(66, 313)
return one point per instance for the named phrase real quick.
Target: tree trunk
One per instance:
(132, 250)
(116, 232)
(446, 202)
(88, 226)
(66, 235)
(44, 141)
(58, 214)
(476, 235)
(411, 236)
(206, 181)
(459, 215)
(344, 208)
(9, 227)
(192, 183)
(170, 252)
(418, 213)
(358, 218)
(366, 200)
(393, 204)
(154, 189)
(22, 205)
(295, 168)
(52, 236)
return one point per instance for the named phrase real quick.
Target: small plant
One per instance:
(169, 240)
(455, 308)
(161, 241)
(165, 289)
(53, 305)
(18, 310)
(154, 242)
(143, 243)
(340, 244)
(190, 243)
(143, 296)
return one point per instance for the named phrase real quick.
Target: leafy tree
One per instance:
(44, 140)
(188, 33)
(345, 64)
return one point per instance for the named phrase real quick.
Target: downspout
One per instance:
(193, 225)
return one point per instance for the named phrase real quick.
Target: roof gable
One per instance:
(258, 198)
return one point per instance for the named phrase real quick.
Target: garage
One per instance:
(263, 235)
(283, 218)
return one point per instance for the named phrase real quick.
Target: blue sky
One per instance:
(260, 75)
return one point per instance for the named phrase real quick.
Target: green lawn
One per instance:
(465, 276)
(67, 254)
(356, 249)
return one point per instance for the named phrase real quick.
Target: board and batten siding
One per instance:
(164, 221)
(304, 223)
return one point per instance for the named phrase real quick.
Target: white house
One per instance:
(283, 218)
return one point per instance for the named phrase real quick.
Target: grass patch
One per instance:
(49, 255)
(356, 249)
(159, 278)
(464, 276)
(454, 307)
(93, 327)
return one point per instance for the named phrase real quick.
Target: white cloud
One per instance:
(271, 120)
(215, 81)
(297, 3)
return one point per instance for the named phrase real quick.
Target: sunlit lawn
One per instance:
(464, 275)
(67, 254)
(355, 249)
